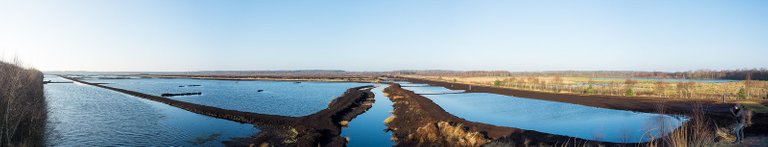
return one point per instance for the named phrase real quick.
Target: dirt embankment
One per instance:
(417, 121)
(713, 110)
(366, 79)
(322, 128)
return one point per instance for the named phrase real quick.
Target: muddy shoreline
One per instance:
(716, 111)
(322, 128)
(417, 121)
(361, 79)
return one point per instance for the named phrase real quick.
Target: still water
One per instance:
(551, 117)
(367, 129)
(266, 97)
(83, 115)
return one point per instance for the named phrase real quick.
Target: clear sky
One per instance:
(191, 35)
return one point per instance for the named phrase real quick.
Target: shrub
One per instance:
(590, 90)
(742, 93)
(22, 106)
(497, 83)
(630, 92)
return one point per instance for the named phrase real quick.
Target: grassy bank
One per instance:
(737, 90)
(22, 106)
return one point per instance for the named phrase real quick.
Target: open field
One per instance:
(753, 90)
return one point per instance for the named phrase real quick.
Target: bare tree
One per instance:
(660, 88)
(681, 89)
(748, 83)
(557, 82)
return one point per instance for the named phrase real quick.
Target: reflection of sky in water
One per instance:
(555, 117)
(83, 115)
(367, 129)
(277, 98)
(432, 90)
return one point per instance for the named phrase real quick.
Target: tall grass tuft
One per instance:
(697, 132)
(23, 109)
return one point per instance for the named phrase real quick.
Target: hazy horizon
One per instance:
(179, 36)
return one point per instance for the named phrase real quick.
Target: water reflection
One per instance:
(368, 129)
(555, 117)
(82, 115)
(265, 97)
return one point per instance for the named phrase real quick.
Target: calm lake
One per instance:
(84, 115)
(284, 98)
(559, 118)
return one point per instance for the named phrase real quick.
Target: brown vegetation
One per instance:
(748, 89)
(740, 74)
(23, 109)
(698, 131)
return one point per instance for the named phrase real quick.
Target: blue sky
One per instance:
(191, 35)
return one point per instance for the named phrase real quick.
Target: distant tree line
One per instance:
(739, 74)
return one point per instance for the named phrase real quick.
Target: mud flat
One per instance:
(321, 128)
(417, 121)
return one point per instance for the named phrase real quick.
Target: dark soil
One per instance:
(413, 111)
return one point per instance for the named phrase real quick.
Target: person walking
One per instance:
(741, 115)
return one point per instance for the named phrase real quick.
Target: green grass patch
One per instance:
(755, 107)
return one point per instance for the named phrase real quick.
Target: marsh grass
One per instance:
(639, 88)
(450, 133)
(698, 131)
(23, 109)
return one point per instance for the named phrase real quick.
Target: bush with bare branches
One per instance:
(22, 106)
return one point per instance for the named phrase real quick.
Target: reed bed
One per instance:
(736, 90)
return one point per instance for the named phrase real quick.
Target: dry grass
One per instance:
(22, 106)
(390, 119)
(454, 134)
(646, 88)
(698, 131)
(344, 123)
